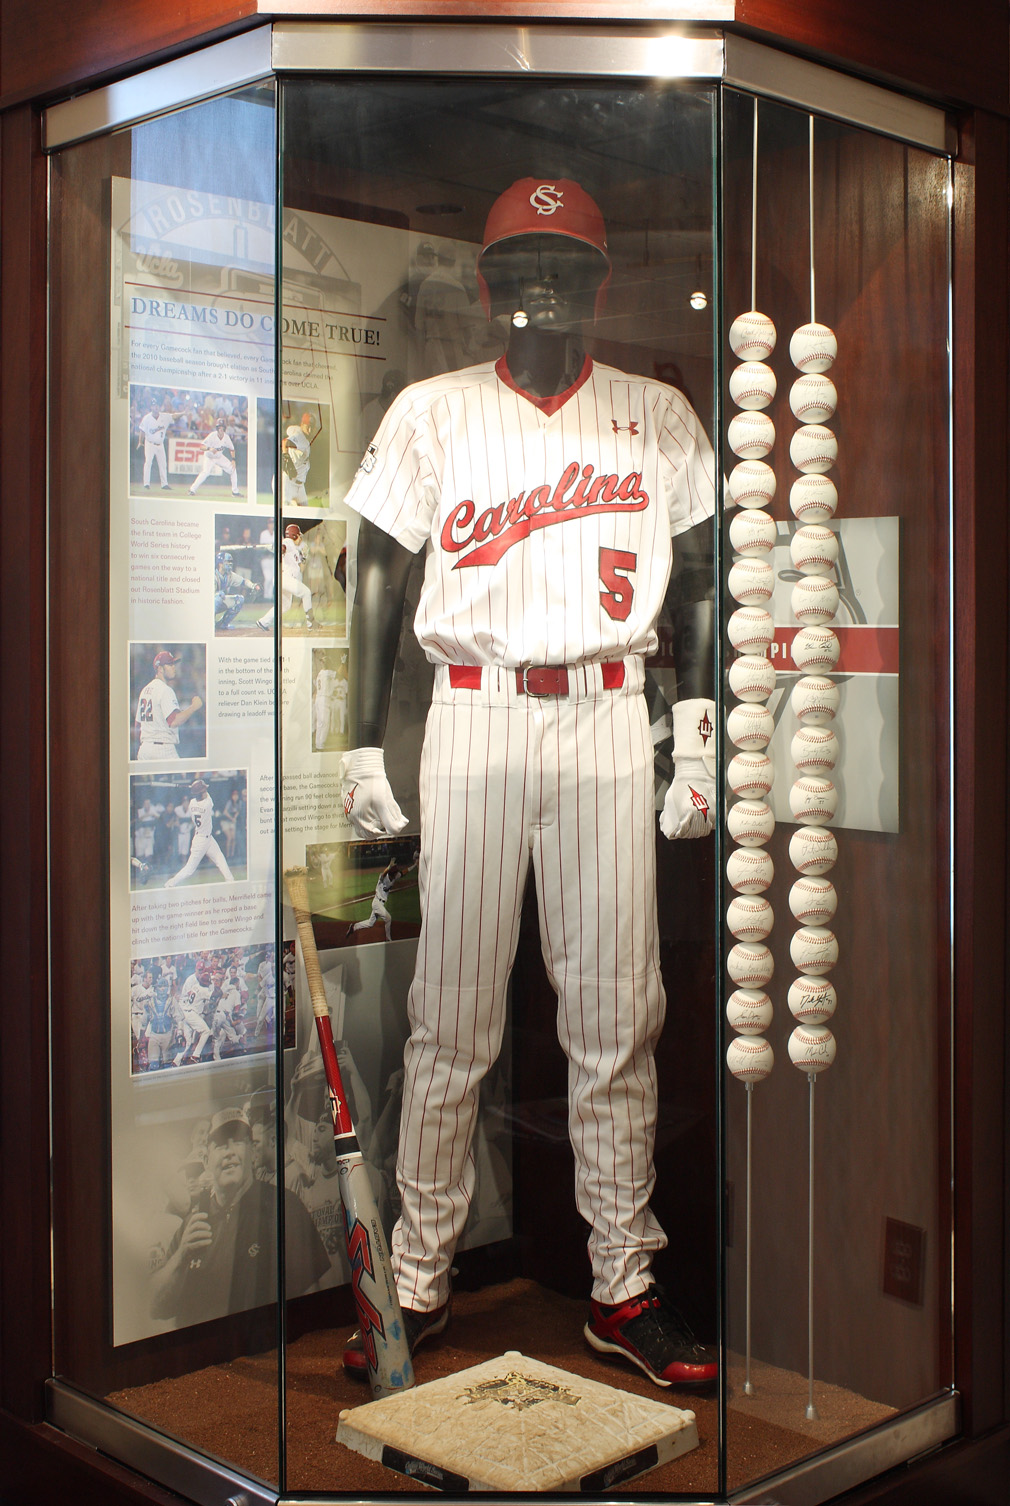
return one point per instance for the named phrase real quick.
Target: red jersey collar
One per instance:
(546, 405)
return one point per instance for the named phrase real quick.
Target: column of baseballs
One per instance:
(813, 849)
(749, 726)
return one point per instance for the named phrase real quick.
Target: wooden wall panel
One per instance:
(981, 275)
(101, 39)
(916, 43)
(925, 44)
(24, 1099)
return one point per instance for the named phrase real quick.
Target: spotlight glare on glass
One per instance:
(699, 300)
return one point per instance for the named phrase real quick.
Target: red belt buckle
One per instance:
(542, 680)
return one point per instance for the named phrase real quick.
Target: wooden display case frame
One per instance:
(967, 72)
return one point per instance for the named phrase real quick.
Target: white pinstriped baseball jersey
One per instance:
(155, 704)
(549, 525)
(549, 520)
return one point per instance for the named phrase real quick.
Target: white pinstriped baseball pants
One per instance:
(567, 784)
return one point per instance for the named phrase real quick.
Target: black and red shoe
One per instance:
(417, 1326)
(650, 1332)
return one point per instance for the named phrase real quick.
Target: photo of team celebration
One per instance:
(191, 1008)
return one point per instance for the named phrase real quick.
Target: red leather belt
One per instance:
(536, 679)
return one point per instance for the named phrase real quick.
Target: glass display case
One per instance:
(610, 874)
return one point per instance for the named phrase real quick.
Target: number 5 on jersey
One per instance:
(615, 567)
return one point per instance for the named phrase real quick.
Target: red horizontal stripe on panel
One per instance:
(864, 650)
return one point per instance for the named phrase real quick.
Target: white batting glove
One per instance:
(369, 803)
(689, 808)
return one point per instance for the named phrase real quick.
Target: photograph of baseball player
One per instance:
(244, 548)
(196, 1008)
(312, 596)
(552, 543)
(364, 891)
(329, 699)
(168, 691)
(304, 439)
(179, 820)
(222, 1256)
(183, 441)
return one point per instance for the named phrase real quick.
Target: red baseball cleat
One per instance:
(650, 1332)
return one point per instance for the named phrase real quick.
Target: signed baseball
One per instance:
(812, 1000)
(814, 950)
(750, 964)
(811, 1048)
(814, 599)
(750, 918)
(753, 533)
(749, 1011)
(813, 549)
(752, 677)
(814, 700)
(750, 822)
(752, 384)
(813, 901)
(752, 337)
(814, 750)
(813, 850)
(750, 1058)
(749, 870)
(750, 726)
(750, 630)
(751, 582)
(813, 398)
(813, 347)
(751, 436)
(813, 800)
(750, 775)
(813, 498)
(812, 448)
(815, 648)
(752, 483)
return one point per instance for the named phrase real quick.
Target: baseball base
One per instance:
(515, 1424)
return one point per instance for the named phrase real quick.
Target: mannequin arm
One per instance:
(691, 600)
(690, 804)
(376, 620)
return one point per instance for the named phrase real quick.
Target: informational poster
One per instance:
(867, 721)
(229, 621)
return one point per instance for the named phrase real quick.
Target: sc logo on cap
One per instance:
(547, 199)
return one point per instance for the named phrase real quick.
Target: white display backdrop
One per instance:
(192, 330)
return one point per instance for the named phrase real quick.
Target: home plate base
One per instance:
(514, 1424)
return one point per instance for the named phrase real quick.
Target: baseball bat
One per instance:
(373, 1288)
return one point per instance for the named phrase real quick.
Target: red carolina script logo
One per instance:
(575, 496)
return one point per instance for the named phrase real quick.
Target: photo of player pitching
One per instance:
(188, 443)
(363, 892)
(188, 828)
(329, 699)
(168, 692)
